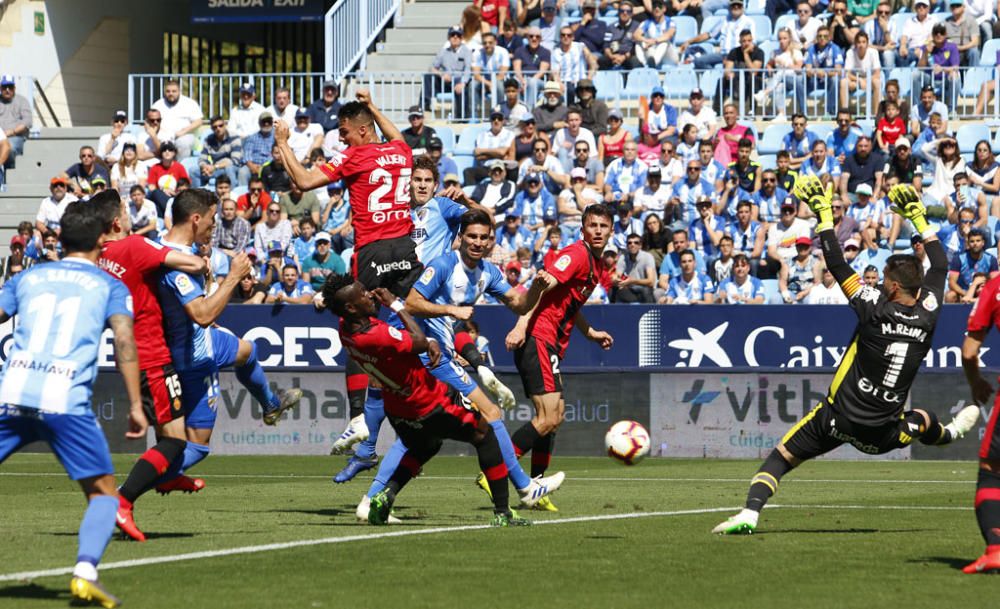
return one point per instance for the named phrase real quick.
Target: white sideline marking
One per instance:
(125, 564)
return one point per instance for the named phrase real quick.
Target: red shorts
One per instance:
(161, 394)
(538, 364)
(990, 447)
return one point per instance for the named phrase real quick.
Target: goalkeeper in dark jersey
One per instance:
(864, 406)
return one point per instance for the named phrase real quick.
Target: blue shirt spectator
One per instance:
(965, 265)
(683, 292)
(688, 191)
(739, 294)
(625, 177)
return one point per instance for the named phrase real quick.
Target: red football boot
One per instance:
(989, 561)
(181, 483)
(126, 523)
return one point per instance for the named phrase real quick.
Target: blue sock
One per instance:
(374, 415)
(96, 528)
(514, 471)
(388, 467)
(251, 376)
(193, 455)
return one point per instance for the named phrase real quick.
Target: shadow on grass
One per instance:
(948, 561)
(849, 531)
(33, 591)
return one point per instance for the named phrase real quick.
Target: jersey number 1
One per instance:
(45, 310)
(384, 179)
(896, 352)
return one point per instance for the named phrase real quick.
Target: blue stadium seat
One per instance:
(767, 161)
(821, 130)
(634, 130)
(608, 84)
(755, 7)
(346, 256)
(678, 82)
(974, 80)
(710, 82)
(462, 162)
(609, 19)
(447, 137)
(988, 57)
(687, 28)
(783, 22)
(467, 139)
(969, 134)
(996, 142)
(770, 142)
(769, 47)
(762, 25)
(641, 82)
(991, 233)
(866, 125)
(709, 22)
(772, 295)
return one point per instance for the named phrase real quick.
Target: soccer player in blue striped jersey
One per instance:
(47, 381)
(198, 349)
(446, 291)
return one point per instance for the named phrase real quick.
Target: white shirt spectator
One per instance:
(551, 164)
(301, 141)
(50, 212)
(562, 136)
(116, 150)
(571, 64)
(981, 10)
(704, 120)
(917, 32)
(143, 216)
(177, 116)
(288, 115)
(868, 65)
(784, 237)
(654, 201)
(282, 232)
(589, 196)
(728, 32)
(332, 143)
(244, 122)
(869, 28)
(820, 294)
(673, 171)
(128, 178)
(488, 139)
(805, 34)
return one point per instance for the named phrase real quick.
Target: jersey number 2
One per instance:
(45, 310)
(384, 179)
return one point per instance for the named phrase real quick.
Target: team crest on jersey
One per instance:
(393, 332)
(337, 159)
(428, 275)
(931, 303)
(563, 262)
(184, 285)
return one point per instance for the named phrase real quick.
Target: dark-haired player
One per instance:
(48, 377)
(423, 410)
(864, 406)
(539, 339)
(378, 176)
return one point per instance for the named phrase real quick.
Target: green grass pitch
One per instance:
(841, 534)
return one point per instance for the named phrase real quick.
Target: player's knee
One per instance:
(245, 352)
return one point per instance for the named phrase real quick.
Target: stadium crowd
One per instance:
(703, 213)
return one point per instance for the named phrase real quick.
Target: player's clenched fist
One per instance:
(384, 296)
(240, 265)
(547, 281)
(280, 132)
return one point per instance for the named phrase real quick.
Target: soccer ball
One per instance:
(627, 441)
(166, 182)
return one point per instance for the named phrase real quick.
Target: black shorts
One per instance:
(161, 394)
(391, 264)
(823, 430)
(989, 448)
(538, 364)
(453, 420)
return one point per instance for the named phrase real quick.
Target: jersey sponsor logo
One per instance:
(398, 265)
(563, 262)
(428, 275)
(880, 393)
(931, 304)
(184, 284)
(393, 332)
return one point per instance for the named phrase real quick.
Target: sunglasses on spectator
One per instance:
(885, 13)
(565, 35)
(838, 207)
(966, 221)
(86, 156)
(690, 169)
(788, 210)
(534, 37)
(769, 180)
(274, 211)
(667, 150)
(153, 121)
(799, 124)
(541, 149)
(805, 12)
(6, 86)
(120, 120)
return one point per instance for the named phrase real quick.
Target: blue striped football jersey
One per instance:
(190, 344)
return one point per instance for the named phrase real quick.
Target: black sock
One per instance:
(765, 481)
(524, 438)
(935, 433)
(466, 347)
(150, 466)
(541, 454)
(988, 506)
(492, 465)
(357, 389)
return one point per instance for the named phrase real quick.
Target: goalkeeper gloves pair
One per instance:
(904, 198)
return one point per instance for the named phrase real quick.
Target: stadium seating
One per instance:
(677, 83)
(770, 142)
(772, 295)
(687, 28)
(467, 139)
(641, 82)
(969, 134)
(988, 56)
(447, 136)
(608, 84)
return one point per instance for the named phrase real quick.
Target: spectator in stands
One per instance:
(947, 162)
(861, 65)
(656, 197)
(495, 193)
(821, 165)
(490, 144)
(283, 109)
(984, 171)
(963, 31)
(655, 39)
(511, 107)
(531, 63)
(849, 221)
(889, 129)
(549, 23)
(823, 66)
(915, 35)
(450, 72)
(489, 69)
(690, 286)
(17, 261)
(149, 144)
(164, 176)
(304, 243)
(985, 14)
(527, 11)
(624, 175)
(512, 235)
(707, 228)
(827, 291)
(472, 27)
(661, 118)
(784, 67)
(691, 189)
(687, 144)
(181, 118)
(51, 209)
(551, 114)
(274, 174)
(804, 28)
(98, 185)
(843, 25)
(251, 205)
(636, 273)
(244, 118)
(291, 289)
(445, 164)
(863, 167)
(573, 201)
(304, 137)
(892, 94)
(954, 236)
(590, 30)
(534, 204)
(747, 234)
(742, 77)
(248, 291)
(656, 237)
(671, 265)
(724, 33)
(842, 141)
(583, 158)
(618, 52)
(741, 288)
(964, 197)
(564, 140)
(141, 211)
(109, 146)
(274, 229)
(902, 167)
(15, 117)
(672, 166)
(863, 10)
(594, 112)
(785, 174)
(523, 144)
(742, 177)
(767, 201)
(624, 225)
(729, 136)
(966, 264)
(418, 135)
(611, 145)
(782, 236)
(870, 277)
(232, 233)
(798, 142)
(571, 62)
(336, 219)
(296, 204)
(221, 155)
(79, 175)
(700, 115)
(939, 64)
(51, 250)
(882, 34)
(5, 154)
(712, 170)
(508, 37)
(322, 262)
(323, 111)
(545, 166)
(721, 268)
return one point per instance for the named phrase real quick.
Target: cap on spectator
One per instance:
(435, 143)
(496, 112)
(56, 180)
(274, 246)
(527, 118)
(654, 170)
(549, 215)
(803, 241)
(330, 84)
(167, 146)
(956, 2)
(852, 243)
(702, 201)
(6, 79)
(248, 87)
(657, 91)
(496, 164)
(120, 115)
(578, 172)
(338, 185)
(301, 113)
(98, 180)
(588, 4)
(416, 112)
(733, 2)
(586, 83)
(919, 2)
(454, 31)
(616, 114)
(552, 87)
(788, 203)
(513, 265)
(532, 178)
(916, 238)
(452, 177)
(549, 5)
(513, 214)
(902, 142)
(128, 145)
(863, 189)
(323, 236)
(696, 93)
(264, 116)
(18, 240)
(623, 208)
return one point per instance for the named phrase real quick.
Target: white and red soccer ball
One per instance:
(627, 442)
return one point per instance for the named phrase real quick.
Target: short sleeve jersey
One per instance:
(378, 180)
(385, 354)
(136, 261)
(63, 308)
(301, 288)
(190, 345)
(435, 225)
(577, 273)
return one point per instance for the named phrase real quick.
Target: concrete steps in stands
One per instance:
(417, 36)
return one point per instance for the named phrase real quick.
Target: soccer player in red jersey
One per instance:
(136, 261)
(577, 271)
(423, 410)
(985, 314)
(377, 175)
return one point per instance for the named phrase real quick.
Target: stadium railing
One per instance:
(395, 92)
(350, 26)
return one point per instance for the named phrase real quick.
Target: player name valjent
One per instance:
(391, 159)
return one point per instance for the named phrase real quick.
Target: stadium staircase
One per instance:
(411, 45)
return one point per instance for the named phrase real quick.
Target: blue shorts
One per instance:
(76, 439)
(447, 371)
(225, 345)
(200, 385)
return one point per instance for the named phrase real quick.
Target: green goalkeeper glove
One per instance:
(819, 199)
(906, 202)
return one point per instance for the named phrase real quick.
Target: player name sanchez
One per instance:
(899, 329)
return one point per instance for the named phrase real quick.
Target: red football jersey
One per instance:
(984, 312)
(378, 181)
(577, 272)
(136, 261)
(384, 353)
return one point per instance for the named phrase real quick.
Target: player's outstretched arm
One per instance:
(600, 337)
(417, 305)
(188, 263)
(906, 202)
(206, 310)
(522, 302)
(305, 179)
(820, 200)
(127, 358)
(417, 336)
(388, 129)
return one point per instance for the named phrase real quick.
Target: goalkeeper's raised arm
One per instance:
(906, 202)
(820, 200)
